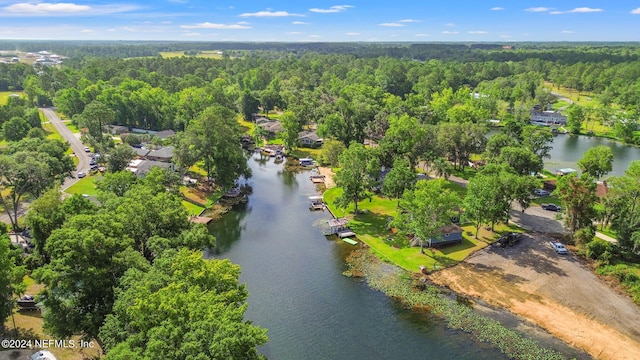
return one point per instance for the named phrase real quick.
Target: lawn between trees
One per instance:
(371, 228)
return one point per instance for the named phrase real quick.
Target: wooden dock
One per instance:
(200, 219)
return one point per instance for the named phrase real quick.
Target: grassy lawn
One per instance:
(466, 174)
(51, 131)
(192, 208)
(4, 96)
(581, 98)
(371, 227)
(306, 153)
(247, 126)
(29, 324)
(86, 185)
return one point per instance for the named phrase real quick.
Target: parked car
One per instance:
(92, 161)
(559, 247)
(551, 207)
(81, 175)
(542, 192)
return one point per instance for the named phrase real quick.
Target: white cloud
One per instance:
(47, 8)
(450, 25)
(208, 25)
(294, 33)
(269, 14)
(584, 10)
(409, 21)
(421, 35)
(497, 8)
(636, 11)
(480, 32)
(333, 9)
(567, 32)
(243, 22)
(315, 36)
(506, 36)
(577, 10)
(537, 9)
(392, 24)
(87, 31)
(299, 23)
(62, 9)
(352, 34)
(112, 30)
(166, 22)
(450, 32)
(192, 34)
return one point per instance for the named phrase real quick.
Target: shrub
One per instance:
(600, 250)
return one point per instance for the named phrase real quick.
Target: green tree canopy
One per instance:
(356, 177)
(597, 161)
(426, 209)
(184, 307)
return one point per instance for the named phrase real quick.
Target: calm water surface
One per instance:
(297, 290)
(568, 149)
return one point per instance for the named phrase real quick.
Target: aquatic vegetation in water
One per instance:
(395, 283)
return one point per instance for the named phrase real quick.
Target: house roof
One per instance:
(145, 166)
(142, 152)
(272, 126)
(451, 228)
(164, 152)
(311, 135)
(165, 134)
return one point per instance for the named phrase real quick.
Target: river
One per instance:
(298, 292)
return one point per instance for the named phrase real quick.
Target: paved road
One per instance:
(76, 146)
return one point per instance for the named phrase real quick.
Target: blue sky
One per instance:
(317, 20)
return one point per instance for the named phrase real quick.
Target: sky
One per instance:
(322, 21)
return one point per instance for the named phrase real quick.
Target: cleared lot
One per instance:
(557, 292)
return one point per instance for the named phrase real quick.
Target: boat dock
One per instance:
(200, 219)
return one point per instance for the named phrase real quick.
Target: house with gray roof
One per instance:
(164, 154)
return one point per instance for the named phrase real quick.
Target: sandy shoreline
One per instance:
(572, 304)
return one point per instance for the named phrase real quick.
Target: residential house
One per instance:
(163, 154)
(547, 117)
(142, 167)
(272, 127)
(450, 234)
(161, 134)
(309, 139)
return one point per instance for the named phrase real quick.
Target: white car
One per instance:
(559, 247)
(81, 175)
(87, 150)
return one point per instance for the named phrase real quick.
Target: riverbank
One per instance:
(416, 293)
(559, 294)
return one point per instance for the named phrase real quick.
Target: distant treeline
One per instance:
(566, 53)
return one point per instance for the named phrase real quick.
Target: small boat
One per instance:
(317, 179)
(350, 241)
